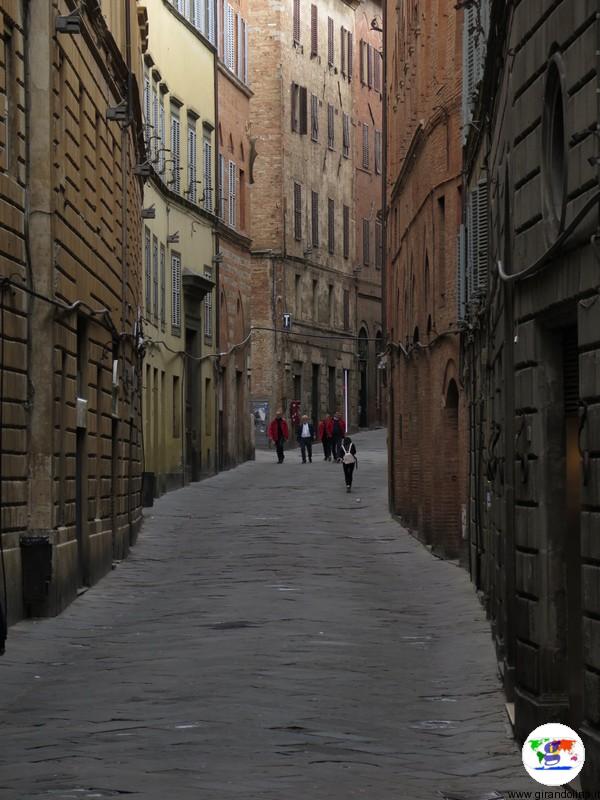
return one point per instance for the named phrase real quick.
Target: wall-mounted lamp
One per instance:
(173, 238)
(149, 213)
(144, 170)
(68, 24)
(118, 113)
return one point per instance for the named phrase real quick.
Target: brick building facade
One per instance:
(368, 160)
(303, 233)
(427, 407)
(233, 231)
(531, 354)
(70, 296)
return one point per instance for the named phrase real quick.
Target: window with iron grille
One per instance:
(297, 212)
(155, 276)
(346, 230)
(331, 225)
(314, 30)
(303, 96)
(366, 243)
(296, 32)
(330, 127)
(148, 268)
(378, 152)
(314, 117)
(314, 215)
(294, 98)
(365, 146)
(175, 290)
(330, 52)
(346, 135)
(378, 245)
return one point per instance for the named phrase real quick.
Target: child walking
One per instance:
(349, 460)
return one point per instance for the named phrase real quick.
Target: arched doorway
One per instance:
(363, 396)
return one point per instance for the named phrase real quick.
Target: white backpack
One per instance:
(347, 458)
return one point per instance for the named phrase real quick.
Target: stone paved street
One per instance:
(272, 637)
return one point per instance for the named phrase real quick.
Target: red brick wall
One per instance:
(428, 439)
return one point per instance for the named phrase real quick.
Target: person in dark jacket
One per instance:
(305, 433)
(325, 438)
(279, 434)
(337, 429)
(349, 460)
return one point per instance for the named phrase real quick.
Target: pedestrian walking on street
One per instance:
(305, 434)
(325, 437)
(279, 434)
(337, 429)
(349, 460)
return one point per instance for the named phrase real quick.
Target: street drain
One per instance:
(492, 796)
(229, 626)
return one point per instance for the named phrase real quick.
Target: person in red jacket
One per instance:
(278, 434)
(324, 437)
(337, 429)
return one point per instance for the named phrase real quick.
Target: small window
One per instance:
(554, 148)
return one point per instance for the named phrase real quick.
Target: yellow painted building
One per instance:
(180, 380)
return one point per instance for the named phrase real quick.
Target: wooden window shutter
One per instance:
(314, 103)
(294, 98)
(343, 50)
(362, 62)
(330, 54)
(315, 218)
(314, 30)
(346, 135)
(369, 66)
(297, 212)
(330, 127)
(303, 110)
(350, 56)
(346, 231)
(297, 21)
(365, 147)
(366, 243)
(482, 238)
(331, 225)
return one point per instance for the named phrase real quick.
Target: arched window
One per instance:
(363, 345)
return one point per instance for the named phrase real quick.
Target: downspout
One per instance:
(384, 271)
(218, 372)
(125, 238)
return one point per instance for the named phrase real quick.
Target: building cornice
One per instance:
(227, 73)
(189, 26)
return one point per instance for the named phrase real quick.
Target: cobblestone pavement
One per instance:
(270, 636)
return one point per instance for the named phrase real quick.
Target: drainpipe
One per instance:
(125, 238)
(218, 373)
(384, 271)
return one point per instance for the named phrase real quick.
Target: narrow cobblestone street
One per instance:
(269, 636)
